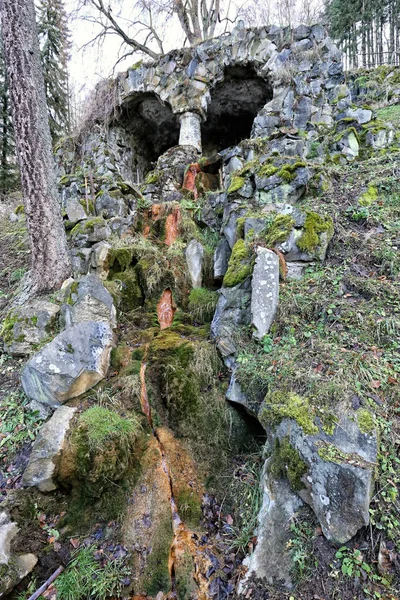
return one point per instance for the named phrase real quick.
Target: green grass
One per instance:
(325, 342)
(85, 577)
(245, 487)
(391, 114)
(18, 424)
(17, 274)
(202, 303)
(300, 545)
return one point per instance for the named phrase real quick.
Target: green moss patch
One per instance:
(236, 184)
(185, 584)
(189, 507)
(240, 264)
(365, 421)
(369, 197)
(88, 225)
(152, 177)
(131, 295)
(87, 205)
(286, 462)
(279, 230)
(267, 170)
(314, 225)
(7, 328)
(157, 577)
(331, 453)
(281, 405)
(119, 259)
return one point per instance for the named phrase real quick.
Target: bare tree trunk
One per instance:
(183, 17)
(49, 253)
(391, 35)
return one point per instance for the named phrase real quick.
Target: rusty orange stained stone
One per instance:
(172, 226)
(156, 211)
(189, 181)
(165, 309)
(144, 400)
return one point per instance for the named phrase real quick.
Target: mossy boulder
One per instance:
(25, 329)
(131, 295)
(306, 242)
(87, 299)
(317, 233)
(333, 472)
(185, 393)
(91, 230)
(181, 368)
(279, 230)
(99, 450)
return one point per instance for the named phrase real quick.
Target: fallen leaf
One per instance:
(74, 543)
(375, 384)
(318, 531)
(229, 520)
(50, 592)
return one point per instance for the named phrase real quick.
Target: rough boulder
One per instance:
(75, 361)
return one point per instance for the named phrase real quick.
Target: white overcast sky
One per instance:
(89, 65)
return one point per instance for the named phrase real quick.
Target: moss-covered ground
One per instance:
(335, 340)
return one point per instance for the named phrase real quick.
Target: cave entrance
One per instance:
(235, 102)
(152, 128)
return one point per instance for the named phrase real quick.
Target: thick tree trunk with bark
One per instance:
(49, 253)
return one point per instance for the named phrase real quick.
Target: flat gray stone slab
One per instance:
(47, 449)
(194, 259)
(264, 291)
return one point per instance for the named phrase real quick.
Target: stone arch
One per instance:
(151, 126)
(235, 102)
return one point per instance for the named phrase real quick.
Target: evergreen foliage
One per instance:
(55, 47)
(366, 30)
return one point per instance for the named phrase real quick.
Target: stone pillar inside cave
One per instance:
(190, 132)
